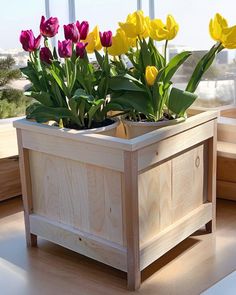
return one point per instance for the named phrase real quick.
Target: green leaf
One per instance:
(96, 107)
(174, 65)
(43, 113)
(202, 66)
(145, 54)
(42, 97)
(99, 58)
(180, 101)
(125, 84)
(138, 101)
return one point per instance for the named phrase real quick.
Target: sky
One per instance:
(192, 15)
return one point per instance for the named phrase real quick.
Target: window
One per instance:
(219, 83)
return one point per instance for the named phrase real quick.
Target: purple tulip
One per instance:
(46, 55)
(49, 28)
(71, 33)
(106, 38)
(65, 48)
(28, 41)
(83, 29)
(80, 49)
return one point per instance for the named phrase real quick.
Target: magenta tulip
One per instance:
(106, 38)
(65, 48)
(49, 28)
(71, 33)
(46, 55)
(80, 49)
(28, 41)
(83, 29)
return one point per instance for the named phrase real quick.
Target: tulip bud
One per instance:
(71, 33)
(106, 38)
(45, 55)
(28, 41)
(83, 29)
(80, 49)
(49, 28)
(151, 73)
(65, 48)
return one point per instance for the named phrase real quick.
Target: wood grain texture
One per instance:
(9, 178)
(226, 190)
(226, 149)
(84, 196)
(8, 141)
(174, 234)
(131, 206)
(74, 150)
(168, 147)
(211, 175)
(170, 191)
(81, 242)
(26, 189)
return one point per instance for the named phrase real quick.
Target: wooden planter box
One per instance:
(9, 165)
(122, 202)
(226, 160)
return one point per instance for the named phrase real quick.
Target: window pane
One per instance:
(218, 87)
(104, 13)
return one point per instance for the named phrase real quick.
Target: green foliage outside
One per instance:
(13, 103)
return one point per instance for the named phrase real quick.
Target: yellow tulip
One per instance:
(93, 40)
(216, 27)
(160, 31)
(136, 25)
(151, 73)
(229, 38)
(119, 44)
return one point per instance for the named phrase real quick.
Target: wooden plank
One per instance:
(226, 149)
(114, 142)
(226, 190)
(226, 169)
(165, 132)
(74, 150)
(166, 148)
(187, 180)
(26, 189)
(211, 181)
(75, 135)
(83, 243)
(85, 196)
(226, 130)
(9, 178)
(8, 141)
(131, 208)
(154, 201)
(174, 234)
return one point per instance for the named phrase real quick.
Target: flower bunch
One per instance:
(145, 90)
(68, 89)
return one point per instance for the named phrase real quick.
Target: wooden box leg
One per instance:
(26, 188)
(211, 193)
(132, 220)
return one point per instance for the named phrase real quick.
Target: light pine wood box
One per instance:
(9, 165)
(122, 202)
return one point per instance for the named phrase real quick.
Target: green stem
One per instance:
(165, 51)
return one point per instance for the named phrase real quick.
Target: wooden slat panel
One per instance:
(226, 169)
(226, 190)
(85, 244)
(74, 150)
(154, 201)
(9, 178)
(168, 147)
(174, 234)
(8, 141)
(187, 182)
(81, 195)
